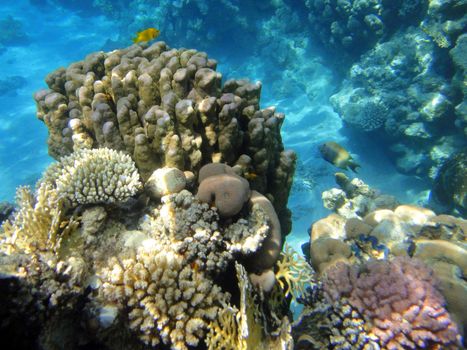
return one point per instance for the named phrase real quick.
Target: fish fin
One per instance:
(353, 166)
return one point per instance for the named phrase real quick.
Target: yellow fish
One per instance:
(146, 35)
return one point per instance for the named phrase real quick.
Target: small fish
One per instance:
(146, 35)
(250, 176)
(195, 266)
(337, 155)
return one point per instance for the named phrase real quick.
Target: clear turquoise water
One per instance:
(300, 87)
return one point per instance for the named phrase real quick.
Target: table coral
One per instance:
(397, 300)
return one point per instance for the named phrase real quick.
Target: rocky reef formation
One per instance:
(163, 218)
(411, 96)
(353, 26)
(366, 259)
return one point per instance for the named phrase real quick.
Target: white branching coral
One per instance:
(90, 176)
(169, 300)
(294, 274)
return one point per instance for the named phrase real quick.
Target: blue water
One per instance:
(296, 79)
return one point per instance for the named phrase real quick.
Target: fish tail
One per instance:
(353, 166)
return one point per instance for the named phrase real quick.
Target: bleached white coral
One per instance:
(90, 176)
(169, 300)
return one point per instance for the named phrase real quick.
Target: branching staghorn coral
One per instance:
(294, 274)
(90, 176)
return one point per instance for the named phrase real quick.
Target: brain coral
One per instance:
(396, 303)
(167, 107)
(94, 176)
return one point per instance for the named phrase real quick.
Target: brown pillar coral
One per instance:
(167, 107)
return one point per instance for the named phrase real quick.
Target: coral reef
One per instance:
(410, 96)
(167, 107)
(350, 27)
(380, 304)
(437, 240)
(399, 92)
(354, 198)
(388, 304)
(131, 238)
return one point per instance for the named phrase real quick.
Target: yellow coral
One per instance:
(241, 329)
(293, 274)
(37, 223)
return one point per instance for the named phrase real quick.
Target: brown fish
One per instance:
(337, 155)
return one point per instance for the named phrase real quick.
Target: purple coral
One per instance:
(397, 300)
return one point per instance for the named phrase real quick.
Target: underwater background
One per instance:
(280, 43)
(384, 79)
